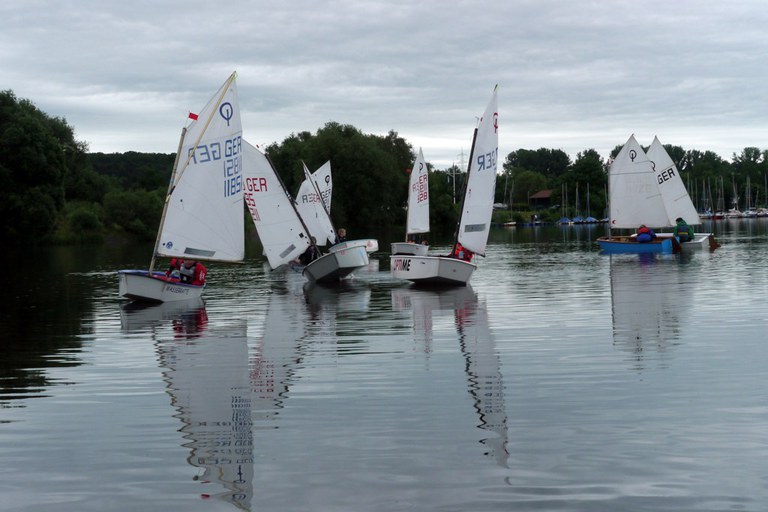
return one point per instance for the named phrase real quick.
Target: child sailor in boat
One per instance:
(189, 271)
(311, 254)
(683, 231)
(341, 236)
(645, 234)
(462, 253)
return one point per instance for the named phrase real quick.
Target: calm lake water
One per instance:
(561, 380)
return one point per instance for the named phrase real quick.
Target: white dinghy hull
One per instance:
(337, 264)
(371, 245)
(139, 285)
(432, 270)
(701, 241)
(409, 248)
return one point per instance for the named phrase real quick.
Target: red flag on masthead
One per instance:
(193, 116)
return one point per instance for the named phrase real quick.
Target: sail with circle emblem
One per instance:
(312, 207)
(316, 186)
(203, 214)
(634, 194)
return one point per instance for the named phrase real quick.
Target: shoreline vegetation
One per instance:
(56, 192)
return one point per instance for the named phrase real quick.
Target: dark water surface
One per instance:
(561, 380)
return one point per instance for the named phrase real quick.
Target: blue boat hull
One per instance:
(628, 245)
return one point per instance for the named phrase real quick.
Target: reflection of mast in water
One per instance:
(422, 306)
(477, 345)
(485, 381)
(207, 379)
(649, 297)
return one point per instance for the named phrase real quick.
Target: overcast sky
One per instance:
(572, 75)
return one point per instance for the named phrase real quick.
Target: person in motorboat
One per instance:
(645, 234)
(189, 271)
(683, 231)
(311, 254)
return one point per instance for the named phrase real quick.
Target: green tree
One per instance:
(132, 170)
(369, 173)
(678, 156)
(42, 166)
(135, 212)
(31, 167)
(527, 183)
(443, 212)
(590, 174)
(749, 170)
(550, 163)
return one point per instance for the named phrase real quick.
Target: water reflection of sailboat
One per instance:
(333, 311)
(187, 317)
(427, 304)
(483, 368)
(208, 381)
(348, 295)
(649, 303)
(277, 352)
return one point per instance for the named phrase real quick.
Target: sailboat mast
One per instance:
(408, 205)
(608, 201)
(171, 185)
(464, 193)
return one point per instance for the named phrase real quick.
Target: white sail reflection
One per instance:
(649, 303)
(277, 353)
(483, 366)
(208, 380)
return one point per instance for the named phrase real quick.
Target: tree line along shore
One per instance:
(56, 191)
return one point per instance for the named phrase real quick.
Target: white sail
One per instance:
(634, 194)
(204, 212)
(313, 211)
(481, 182)
(272, 210)
(418, 197)
(677, 202)
(324, 182)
